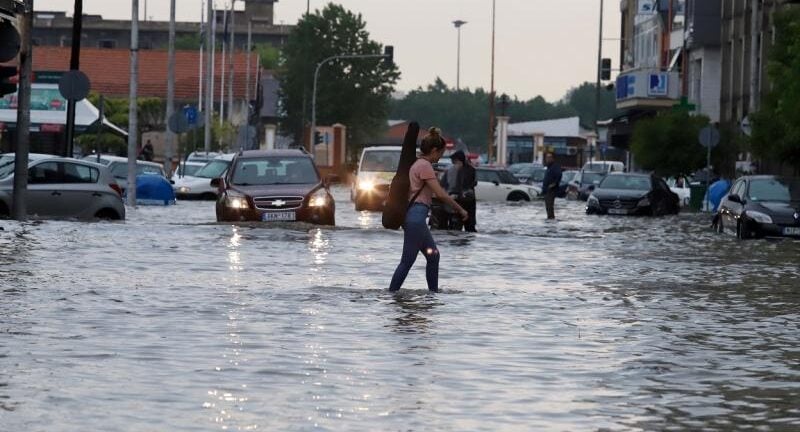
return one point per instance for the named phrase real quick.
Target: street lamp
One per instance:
(458, 24)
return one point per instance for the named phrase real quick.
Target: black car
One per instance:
(633, 194)
(761, 206)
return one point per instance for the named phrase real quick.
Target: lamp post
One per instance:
(458, 24)
(491, 92)
(597, 86)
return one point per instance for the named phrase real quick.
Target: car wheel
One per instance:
(107, 214)
(4, 213)
(741, 232)
(518, 196)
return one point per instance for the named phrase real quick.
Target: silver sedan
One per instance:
(64, 188)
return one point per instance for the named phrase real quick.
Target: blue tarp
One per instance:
(717, 191)
(154, 190)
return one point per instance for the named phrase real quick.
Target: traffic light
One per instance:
(605, 69)
(317, 138)
(388, 55)
(9, 40)
(8, 84)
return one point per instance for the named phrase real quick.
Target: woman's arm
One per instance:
(444, 196)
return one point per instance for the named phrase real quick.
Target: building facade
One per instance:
(55, 29)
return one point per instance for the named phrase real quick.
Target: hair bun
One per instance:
(434, 130)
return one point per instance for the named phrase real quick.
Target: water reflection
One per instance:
(413, 312)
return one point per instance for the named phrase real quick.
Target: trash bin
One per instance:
(697, 196)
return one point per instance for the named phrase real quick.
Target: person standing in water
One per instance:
(552, 180)
(416, 234)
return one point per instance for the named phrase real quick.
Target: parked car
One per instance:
(199, 185)
(761, 206)
(119, 168)
(681, 186)
(495, 184)
(9, 158)
(187, 169)
(604, 166)
(274, 185)
(376, 170)
(582, 185)
(203, 157)
(64, 188)
(566, 177)
(533, 175)
(522, 166)
(633, 194)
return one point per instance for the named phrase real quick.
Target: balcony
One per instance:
(649, 89)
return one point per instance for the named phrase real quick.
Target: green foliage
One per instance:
(464, 114)
(189, 42)
(776, 127)
(353, 92)
(668, 143)
(269, 55)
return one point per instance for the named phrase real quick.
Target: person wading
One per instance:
(460, 182)
(416, 235)
(552, 180)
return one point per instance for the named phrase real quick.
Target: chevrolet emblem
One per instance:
(279, 203)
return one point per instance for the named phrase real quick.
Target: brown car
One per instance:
(274, 186)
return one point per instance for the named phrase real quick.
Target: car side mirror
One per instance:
(735, 198)
(496, 183)
(216, 182)
(171, 181)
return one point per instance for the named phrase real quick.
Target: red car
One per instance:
(274, 186)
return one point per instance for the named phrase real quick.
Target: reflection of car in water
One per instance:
(376, 170)
(582, 185)
(633, 194)
(761, 206)
(274, 186)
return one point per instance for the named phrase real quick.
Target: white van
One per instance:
(604, 166)
(376, 169)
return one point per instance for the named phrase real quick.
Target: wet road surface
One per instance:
(170, 321)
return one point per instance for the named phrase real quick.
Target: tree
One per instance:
(353, 92)
(776, 127)
(668, 143)
(582, 100)
(269, 56)
(188, 42)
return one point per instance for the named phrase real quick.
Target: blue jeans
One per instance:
(417, 238)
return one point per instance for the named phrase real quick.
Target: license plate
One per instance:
(617, 211)
(791, 231)
(279, 216)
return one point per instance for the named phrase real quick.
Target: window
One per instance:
(488, 176)
(738, 188)
(75, 173)
(44, 173)
(107, 44)
(275, 171)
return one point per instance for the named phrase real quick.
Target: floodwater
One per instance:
(171, 322)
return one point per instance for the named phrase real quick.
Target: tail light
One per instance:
(116, 188)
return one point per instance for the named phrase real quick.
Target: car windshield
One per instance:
(775, 189)
(626, 182)
(120, 170)
(6, 168)
(274, 171)
(568, 176)
(213, 169)
(520, 168)
(380, 161)
(190, 170)
(591, 177)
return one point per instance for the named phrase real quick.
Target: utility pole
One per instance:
(74, 64)
(491, 92)
(209, 76)
(232, 51)
(201, 65)
(597, 85)
(222, 79)
(170, 150)
(133, 117)
(18, 208)
(247, 84)
(458, 24)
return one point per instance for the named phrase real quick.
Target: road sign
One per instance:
(658, 84)
(709, 137)
(190, 112)
(603, 147)
(178, 123)
(74, 85)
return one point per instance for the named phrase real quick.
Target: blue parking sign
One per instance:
(659, 85)
(191, 114)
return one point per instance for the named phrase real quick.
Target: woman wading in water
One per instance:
(417, 236)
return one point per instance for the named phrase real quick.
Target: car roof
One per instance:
(488, 168)
(620, 174)
(267, 153)
(383, 148)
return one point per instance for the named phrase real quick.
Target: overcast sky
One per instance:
(543, 47)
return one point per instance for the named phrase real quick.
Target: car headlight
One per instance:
(236, 202)
(319, 199)
(184, 189)
(759, 217)
(593, 200)
(644, 202)
(366, 185)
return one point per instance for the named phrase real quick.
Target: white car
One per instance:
(199, 185)
(187, 169)
(119, 167)
(682, 189)
(500, 185)
(376, 171)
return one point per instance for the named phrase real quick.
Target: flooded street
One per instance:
(172, 322)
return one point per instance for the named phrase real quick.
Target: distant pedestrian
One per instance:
(552, 180)
(147, 152)
(416, 235)
(460, 182)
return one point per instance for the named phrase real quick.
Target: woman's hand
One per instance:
(463, 213)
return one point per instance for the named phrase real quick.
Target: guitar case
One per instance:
(394, 213)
